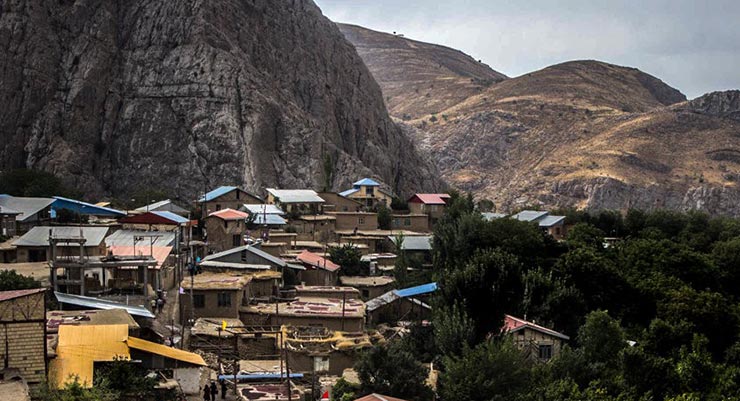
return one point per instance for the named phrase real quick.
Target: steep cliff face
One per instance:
(185, 95)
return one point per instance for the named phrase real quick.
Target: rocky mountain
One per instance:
(583, 133)
(185, 95)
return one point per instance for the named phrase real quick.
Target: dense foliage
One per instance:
(10, 280)
(649, 299)
(22, 182)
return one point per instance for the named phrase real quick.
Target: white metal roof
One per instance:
(296, 195)
(28, 207)
(39, 236)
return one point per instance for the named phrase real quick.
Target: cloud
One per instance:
(692, 45)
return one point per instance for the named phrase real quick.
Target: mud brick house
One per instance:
(401, 305)
(411, 222)
(30, 212)
(326, 291)
(369, 286)
(22, 332)
(537, 341)
(226, 197)
(225, 229)
(339, 203)
(319, 270)
(33, 246)
(296, 201)
(368, 192)
(334, 314)
(215, 295)
(361, 221)
(323, 351)
(432, 205)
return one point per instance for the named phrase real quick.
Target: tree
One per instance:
(34, 183)
(585, 235)
(601, 339)
(10, 280)
(385, 218)
(493, 370)
(392, 371)
(347, 256)
(400, 269)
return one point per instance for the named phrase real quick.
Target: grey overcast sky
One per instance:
(693, 46)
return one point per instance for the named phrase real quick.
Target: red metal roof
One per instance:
(512, 324)
(229, 214)
(429, 199)
(319, 261)
(7, 295)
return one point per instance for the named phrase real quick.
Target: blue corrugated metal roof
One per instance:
(368, 182)
(418, 290)
(348, 192)
(216, 193)
(84, 207)
(171, 216)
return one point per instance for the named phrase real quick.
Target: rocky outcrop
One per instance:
(185, 95)
(721, 104)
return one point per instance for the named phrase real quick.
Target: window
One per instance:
(199, 301)
(407, 222)
(321, 363)
(370, 191)
(236, 240)
(545, 352)
(244, 255)
(226, 224)
(365, 293)
(434, 208)
(224, 299)
(218, 207)
(361, 220)
(237, 194)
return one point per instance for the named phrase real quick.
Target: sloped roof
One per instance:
(269, 219)
(415, 243)
(430, 199)
(165, 351)
(513, 324)
(492, 216)
(153, 238)
(529, 215)
(98, 303)
(550, 221)
(229, 214)
(85, 208)
(209, 196)
(28, 207)
(8, 295)
(39, 235)
(378, 397)
(159, 253)
(368, 182)
(261, 209)
(8, 211)
(163, 206)
(417, 290)
(393, 295)
(296, 195)
(349, 192)
(249, 248)
(155, 217)
(318, 261)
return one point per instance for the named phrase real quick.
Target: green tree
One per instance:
(401, 267)
(10, 280)
(493, 370)
(385, 218)
(34, 183)
(601, 339)
(392, 371)
(347, 256)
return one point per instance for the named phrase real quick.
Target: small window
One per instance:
(226, 224)
(407, 222)
(199, 301)
(545, 352)
(434, 208)
(224, 299)
(236, 240)
(361, 220)
(218, 207)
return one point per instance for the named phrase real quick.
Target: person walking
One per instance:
(223, 389)
(207, 393)
(214, 391)
(160, 305)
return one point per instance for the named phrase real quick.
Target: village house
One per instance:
(245, 258)
(538, 341)
(355, 220)
(82, 348)
(296, 201)
(379, 262)
(334, 314)
(415, 246)
(84, 209)
(400, 305)
(319, 269)
(432, 205)
(369, 286)
(339, 203)
(7, 221)
(226, 197)
(368, 192)
(553, 225)
(215, 295)
(411, 222)
(22, 332)
(265, 216)
(226, 229)
(31, 211)
(318, 350)
(320, 227)
(33, 246)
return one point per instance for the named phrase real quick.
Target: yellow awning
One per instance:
(165, 351)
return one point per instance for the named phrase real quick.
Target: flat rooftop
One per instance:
(311, 307)
(366, 281)
(216, 281)
(329, 289)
